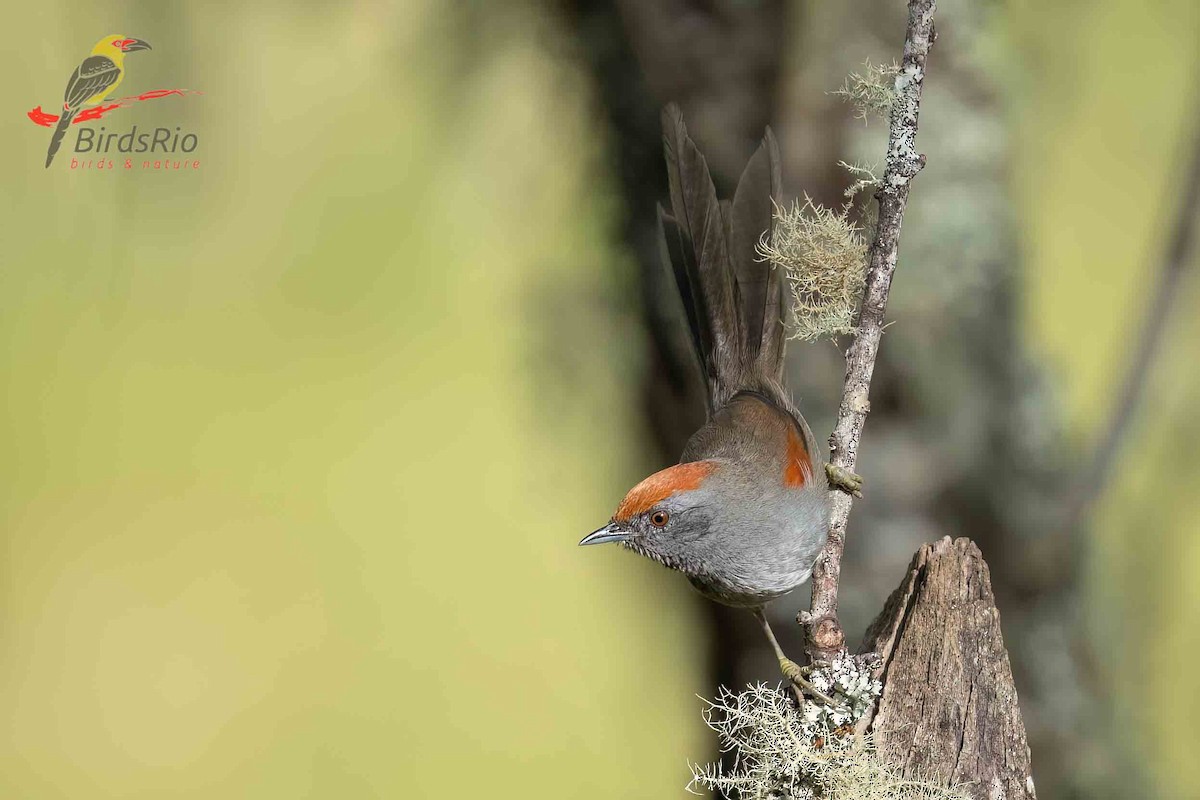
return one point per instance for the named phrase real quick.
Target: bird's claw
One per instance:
(798, 675)
(840, 478)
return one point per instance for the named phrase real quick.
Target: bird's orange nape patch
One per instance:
(661, 485)
(798, 469)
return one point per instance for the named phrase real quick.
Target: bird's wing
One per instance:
(93, 76)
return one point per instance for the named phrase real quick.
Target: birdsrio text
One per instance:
(160, 140)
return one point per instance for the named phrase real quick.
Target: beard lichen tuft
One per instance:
(872, 91)
(823, 255)
(806, 753)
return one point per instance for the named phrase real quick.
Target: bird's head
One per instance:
(665, 514)
(115, 46)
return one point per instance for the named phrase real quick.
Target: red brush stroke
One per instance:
(40, 117)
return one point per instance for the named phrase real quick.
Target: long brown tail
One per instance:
(60, 130)
(733, 300)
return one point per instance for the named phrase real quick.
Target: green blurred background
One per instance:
(295, 449)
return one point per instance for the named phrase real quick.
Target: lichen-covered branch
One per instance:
(825, 636)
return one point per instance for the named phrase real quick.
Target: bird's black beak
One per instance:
(130, 45)
(611, 532)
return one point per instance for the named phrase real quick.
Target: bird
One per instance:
(746, 511)
(93, 80)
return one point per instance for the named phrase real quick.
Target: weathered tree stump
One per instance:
(948, 713)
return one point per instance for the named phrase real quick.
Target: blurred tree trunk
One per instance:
(722, 62)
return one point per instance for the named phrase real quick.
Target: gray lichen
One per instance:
(823, 254)
(872, 91)
(805, 753)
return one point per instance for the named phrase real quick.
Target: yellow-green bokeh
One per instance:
(296, 448)
(1107, 121)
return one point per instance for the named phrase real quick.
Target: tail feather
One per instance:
(759, 188)
(703, 231)
(733, 301)
(60, 130)
(676, 252)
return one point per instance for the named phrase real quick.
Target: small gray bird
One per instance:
(743, 514)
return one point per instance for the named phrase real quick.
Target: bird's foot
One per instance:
(840, 478)
(798, 675)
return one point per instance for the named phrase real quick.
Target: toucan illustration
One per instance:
(92, 81)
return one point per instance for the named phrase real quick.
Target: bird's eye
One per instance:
(117, 43)
(659, 519)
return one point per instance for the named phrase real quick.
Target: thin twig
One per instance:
(825, 636)
(1182, 242)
